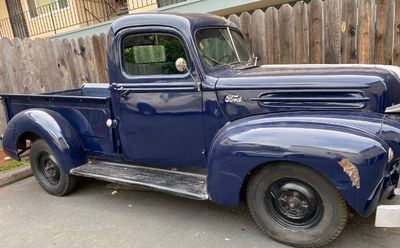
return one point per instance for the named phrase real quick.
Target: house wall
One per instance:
(5, 26)
(43, 26)
(136, 6)
(76, 19)
(3, 10)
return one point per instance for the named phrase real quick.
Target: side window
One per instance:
(151, 54)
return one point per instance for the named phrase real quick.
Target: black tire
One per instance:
(48, 172)
(295, 205)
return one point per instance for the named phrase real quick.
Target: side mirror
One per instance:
(181, 65)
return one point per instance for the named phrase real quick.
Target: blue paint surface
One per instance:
(311, 116)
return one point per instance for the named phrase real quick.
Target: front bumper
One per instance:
(388, 215)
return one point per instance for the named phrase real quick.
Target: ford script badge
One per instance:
(233, 98)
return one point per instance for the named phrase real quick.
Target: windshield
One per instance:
(222, 46)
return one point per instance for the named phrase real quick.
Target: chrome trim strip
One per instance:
(393, 109)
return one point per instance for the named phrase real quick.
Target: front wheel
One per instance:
(295, 205)
(48, 172)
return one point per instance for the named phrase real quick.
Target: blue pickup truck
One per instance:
(188, 111)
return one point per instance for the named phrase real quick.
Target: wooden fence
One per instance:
(40, 65)
(329, 31)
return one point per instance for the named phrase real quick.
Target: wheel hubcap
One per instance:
(294, 204)
(49, 168)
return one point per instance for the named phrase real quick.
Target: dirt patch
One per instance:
(3, 159)
(7, 163)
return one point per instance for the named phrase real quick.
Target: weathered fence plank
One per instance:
(51, 81)
(10, 55)
(103, 43)
(32, 71)
(396, 38)
(4, 82)
(4, 67)
(349, 32)
(80, 56)
(258, 23)
(272, 36)
(99, 59)
(89, 52)
(61, 69)
(245, 27)
(70, 63)
(286, 34)
(333, 14)
(366, 32)
(384, 31)
(315, 9)
(41, 58)
(301, 37)
(235, 19)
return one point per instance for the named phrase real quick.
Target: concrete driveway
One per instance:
(92, 217)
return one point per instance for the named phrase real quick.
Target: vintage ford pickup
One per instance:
(188, 111)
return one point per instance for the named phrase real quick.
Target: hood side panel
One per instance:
(293, 88)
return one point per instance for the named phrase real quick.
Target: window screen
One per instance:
(152, 54)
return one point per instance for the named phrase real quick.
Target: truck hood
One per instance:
(277, 88)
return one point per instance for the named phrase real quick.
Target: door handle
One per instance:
(125, 93)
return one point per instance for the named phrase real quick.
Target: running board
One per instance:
(185, 184)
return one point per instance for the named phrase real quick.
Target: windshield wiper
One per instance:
(232, 65)
(251, 60)
(221, 63)
(246, 67)
(250, 64)
(213, 60)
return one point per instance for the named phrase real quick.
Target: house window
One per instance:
(43, 7)
(164, 3)
(151, 54)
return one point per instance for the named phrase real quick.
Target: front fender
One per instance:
(318, 141)
(53, 129)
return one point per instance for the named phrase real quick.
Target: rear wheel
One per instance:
(48, 172)
(295, 205)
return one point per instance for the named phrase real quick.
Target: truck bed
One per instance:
(86, 109)
(87, 90)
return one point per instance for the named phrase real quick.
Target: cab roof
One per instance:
(188, 22)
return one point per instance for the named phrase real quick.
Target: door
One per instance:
(160, 119)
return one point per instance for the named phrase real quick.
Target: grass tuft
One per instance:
(13, 164)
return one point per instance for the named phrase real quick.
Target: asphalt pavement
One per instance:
(94, 217)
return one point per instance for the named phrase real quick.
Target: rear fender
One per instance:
(330, 145)
(53, 129)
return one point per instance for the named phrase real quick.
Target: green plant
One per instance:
(13, 164)
(129, 55)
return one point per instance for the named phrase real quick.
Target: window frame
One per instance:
(56, 11)
(153, 30)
